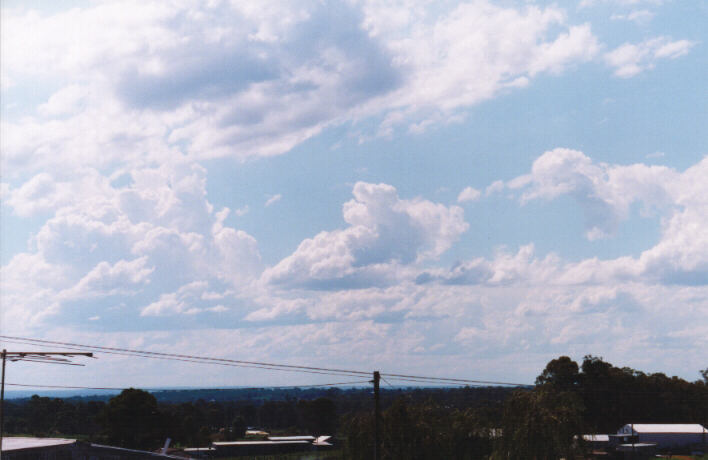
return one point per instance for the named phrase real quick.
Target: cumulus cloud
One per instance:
(468, 194)
(605, 192)
(384, 231)
(630, 59)
(138, 241)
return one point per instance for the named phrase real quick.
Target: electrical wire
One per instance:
(72, 387)
(272, 366)
(255, 364)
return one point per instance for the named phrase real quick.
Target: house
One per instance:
(665, 436)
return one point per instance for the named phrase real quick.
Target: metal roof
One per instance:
(17, 443)
(254, 443)
(666, 428)
(291, 438)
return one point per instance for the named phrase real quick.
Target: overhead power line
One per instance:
(73, 387)
(255, 364)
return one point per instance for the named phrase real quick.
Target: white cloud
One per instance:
(230, 80)
(605, 192)
(273, 199)
(383, 231)
(132, 243)
(638, 16)
(588, 3)
(468, 194)
(630, 59)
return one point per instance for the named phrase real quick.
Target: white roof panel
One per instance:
(17, 443)
(596, 437)
(291, 438)
(667, 428)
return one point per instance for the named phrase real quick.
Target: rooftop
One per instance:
(17, 443)
(667, 428)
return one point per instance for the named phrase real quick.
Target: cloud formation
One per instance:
(228, 80)
(384, 231)
(631, 59)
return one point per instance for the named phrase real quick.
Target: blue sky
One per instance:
(456, 189)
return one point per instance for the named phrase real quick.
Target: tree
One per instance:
(238, 428)
(319, 416)
(132, 419)
(562, 374)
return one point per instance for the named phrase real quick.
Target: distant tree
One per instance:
(132, 419)
(704, 374)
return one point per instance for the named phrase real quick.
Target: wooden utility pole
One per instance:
(377, 417)
(48, 357)
(2, 398)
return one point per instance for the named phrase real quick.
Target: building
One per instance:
(596, 442)
(665, 436)
(274, 445)
(19, 448)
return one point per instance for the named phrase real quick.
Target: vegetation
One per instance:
(425, 423)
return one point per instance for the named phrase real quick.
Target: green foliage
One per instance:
(540, 424)
(318, 416)
(561, 374)
(419, 432)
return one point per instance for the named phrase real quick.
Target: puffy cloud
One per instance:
(630, 59)
(469, 54)
(605, 192)
(504, 268)
(132, 243)
(468, 194)
(384, 231)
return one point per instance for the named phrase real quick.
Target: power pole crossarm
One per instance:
(47, 357)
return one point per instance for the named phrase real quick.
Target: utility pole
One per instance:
(377, 417)
(2, 398)
(47, 357)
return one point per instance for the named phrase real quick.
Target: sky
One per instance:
(458, 189)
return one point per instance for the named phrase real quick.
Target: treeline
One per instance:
(539, 423)
(139, 419)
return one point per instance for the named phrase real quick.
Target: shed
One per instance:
(666, 436)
